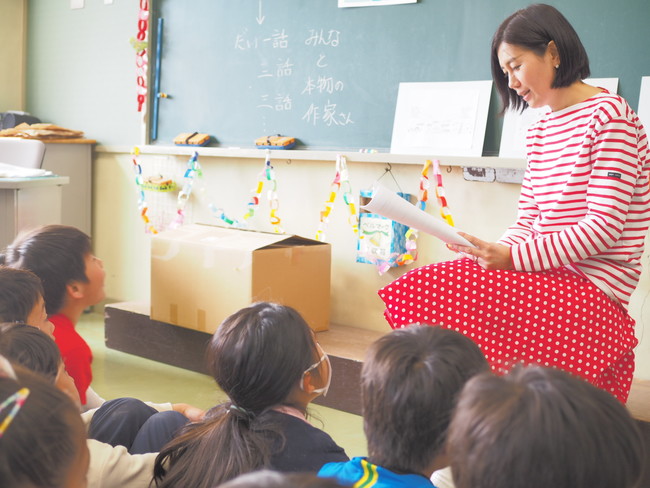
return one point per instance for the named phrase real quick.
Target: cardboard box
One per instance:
(200, 274)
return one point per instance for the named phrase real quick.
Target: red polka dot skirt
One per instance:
(551, 318)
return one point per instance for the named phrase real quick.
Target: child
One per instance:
(266, 359)
(73, 280)
(110, 465)
(21, 299)
(409, 384)
(42, 438)
(31, 348)
(539, 428)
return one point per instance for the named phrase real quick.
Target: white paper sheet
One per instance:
(515, 124)
(644, 103)
(390, 205)
(441, 118)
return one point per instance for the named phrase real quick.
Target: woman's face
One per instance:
(530, 75)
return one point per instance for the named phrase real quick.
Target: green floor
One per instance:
(117, 374)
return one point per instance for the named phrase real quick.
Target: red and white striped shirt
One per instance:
(585, 198)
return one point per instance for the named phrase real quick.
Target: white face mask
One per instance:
(326, 387)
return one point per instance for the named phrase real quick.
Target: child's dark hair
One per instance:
(26, 345)
(409, 384)
(54, 253)
(533, 28)
(19, 293)
(44, 437)
(540, 427)
(256, 356)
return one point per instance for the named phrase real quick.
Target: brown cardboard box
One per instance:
(200, 274)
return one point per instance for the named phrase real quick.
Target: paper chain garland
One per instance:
(142, 202)
(268, 175)
(193, 170)
(341, 180)
(412, 234)
(440, 194)
(411, 253)
(140, 44)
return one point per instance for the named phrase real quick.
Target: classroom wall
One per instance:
(12, 54)
(95, 87)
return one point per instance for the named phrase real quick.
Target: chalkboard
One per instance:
(329, 76)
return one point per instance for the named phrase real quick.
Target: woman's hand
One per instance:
(488, 255)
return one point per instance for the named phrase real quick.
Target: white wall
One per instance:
(484, 209)
(12, 55)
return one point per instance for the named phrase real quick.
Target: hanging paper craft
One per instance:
(142, 201)
(266, 175)
(193, 170)
(382, 241)
(341, 180)
(440, 194)
(140, 44)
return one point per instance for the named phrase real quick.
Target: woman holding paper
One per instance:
(555, 289)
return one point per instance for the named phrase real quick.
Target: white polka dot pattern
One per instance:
(552, 318)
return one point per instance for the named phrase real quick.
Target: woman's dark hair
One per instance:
(54, 253)
(533, 28)
(31, 348)
(256, 356)
(409, 385)
(540, 427)
(45, 436)
(19, 293)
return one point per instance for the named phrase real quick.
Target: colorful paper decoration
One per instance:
(341, 180)
(140, 43)
(193, 170)
(411, 245)
(382, 241)
(266, 175)
(142, 201)
(440, 194)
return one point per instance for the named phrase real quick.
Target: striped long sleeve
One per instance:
(585, 198)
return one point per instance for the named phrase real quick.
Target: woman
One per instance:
(265, 358)
(555, 289)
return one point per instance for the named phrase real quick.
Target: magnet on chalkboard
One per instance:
(275, 142)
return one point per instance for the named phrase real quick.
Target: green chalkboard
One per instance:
(329, 76)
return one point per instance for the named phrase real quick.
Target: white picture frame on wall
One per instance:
(441, 118)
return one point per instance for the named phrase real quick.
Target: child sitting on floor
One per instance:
(73, 280)
(110, 465)
(409, 384)
(21, 299)
(267, 360)
(42, 438)
(539, 428)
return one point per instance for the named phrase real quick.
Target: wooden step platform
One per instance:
(128, 328)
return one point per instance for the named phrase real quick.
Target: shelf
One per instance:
(317, 155)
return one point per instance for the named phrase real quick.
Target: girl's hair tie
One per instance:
(232, 408)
